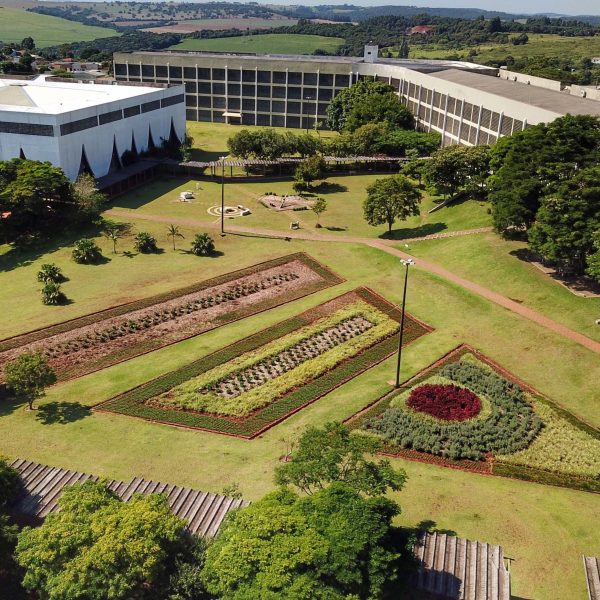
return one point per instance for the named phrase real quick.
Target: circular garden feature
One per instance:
(445, 402)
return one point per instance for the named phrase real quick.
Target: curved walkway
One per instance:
(388, 246)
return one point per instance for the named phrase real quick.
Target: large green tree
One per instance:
(531, 164)
(389, 199)
(368, 102)
(330, 545)
(28, 376)
(594, 259)
(332, 454)
(97, 547)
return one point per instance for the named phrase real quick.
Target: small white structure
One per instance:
(86, 127)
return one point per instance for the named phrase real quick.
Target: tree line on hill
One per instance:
(325, 533)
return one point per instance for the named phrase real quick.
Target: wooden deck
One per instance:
(591, 564)
(43, 485)
(460, 569)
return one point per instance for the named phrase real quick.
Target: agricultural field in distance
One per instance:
(539, 45)
(191, 25)
(264, 44)
(46, 30)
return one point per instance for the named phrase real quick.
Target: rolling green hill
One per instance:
(263, 44)
(45, 30)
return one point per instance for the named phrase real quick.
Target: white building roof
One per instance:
(52, 97)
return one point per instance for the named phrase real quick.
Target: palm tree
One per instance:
(113, 235)
(173, 233)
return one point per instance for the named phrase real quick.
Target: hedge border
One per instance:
(131, 402)
(329, 279)
(495, 466)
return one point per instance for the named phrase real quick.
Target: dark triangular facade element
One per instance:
(173, 137)
(22, 154)
(84, 165)
(134, 150)
(151, 144)
(115, 161)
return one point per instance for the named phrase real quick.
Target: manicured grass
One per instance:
(544, 529)
(271, 43)
(343, 217)
(17, 24)
(498, 264)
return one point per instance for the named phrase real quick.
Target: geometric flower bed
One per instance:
(247, 387)
(516, 432)
(102, 339)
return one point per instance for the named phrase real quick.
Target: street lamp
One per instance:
(222, 159)
(407, 263)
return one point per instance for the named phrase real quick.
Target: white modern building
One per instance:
(86, 127)
(465, 102)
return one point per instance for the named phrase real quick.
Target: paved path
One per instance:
(388, 246)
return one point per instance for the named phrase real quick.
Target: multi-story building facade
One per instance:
(466, 103)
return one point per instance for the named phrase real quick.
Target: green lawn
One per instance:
(493, 262)
(271, 43)
(46, 30)
(344, 215)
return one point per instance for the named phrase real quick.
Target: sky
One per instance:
(572, 7)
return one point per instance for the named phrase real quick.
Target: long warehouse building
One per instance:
(86, 127)
(465, 102)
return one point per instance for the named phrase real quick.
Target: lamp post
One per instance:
(407, 263)
(222, 159)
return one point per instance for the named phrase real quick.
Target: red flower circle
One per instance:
(447, 402)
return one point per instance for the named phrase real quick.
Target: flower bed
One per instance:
(520, 434)
(445, 402)
(96, 341)
(202, 394)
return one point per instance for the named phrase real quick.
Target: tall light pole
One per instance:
(407, 263)
(222, 159)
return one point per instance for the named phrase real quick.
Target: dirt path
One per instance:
(388, 246)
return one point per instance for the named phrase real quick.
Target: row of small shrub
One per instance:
(511, 426)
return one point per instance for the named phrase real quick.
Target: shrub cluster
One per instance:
(86, 252)
(446, 402)
(511, 426)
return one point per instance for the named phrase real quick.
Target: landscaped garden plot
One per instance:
(245, 388)
(84, 345)
(466, 411)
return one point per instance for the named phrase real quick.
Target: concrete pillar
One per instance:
(499, 126)
(478, 134)
(445, 119)
(431, 110)
(287, 75)
(141, 79)
(226, 93)
(460, 124)
(255, 95)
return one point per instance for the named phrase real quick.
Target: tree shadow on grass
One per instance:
(214, 254)
(413, 232)
(431, 527)
(61, 413)
(329, 187)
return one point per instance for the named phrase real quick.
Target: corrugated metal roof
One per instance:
(43, 485)
(461, 569)
(591, 564)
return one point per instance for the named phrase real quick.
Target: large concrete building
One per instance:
(86, 126)
(467, 103)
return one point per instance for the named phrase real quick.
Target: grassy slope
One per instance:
(493, 262)
(524, 516)
(538, 45)
(266, 44)
(46, 30)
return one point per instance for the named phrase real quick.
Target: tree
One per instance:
(173, 232)
(319, 206)
(88, 199)
(203, 245)
(9, 482)
(50, 272)
(310, 169)
(451, 168)
(593, 269)
(332, 454)
(145, 243)
(86, 252)
(333, 545)
(101, 547)
(186, 581)
(390, 199)
(367, 102)
(28, 44)
(52, 294)
(112, 234)
(28, 376)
